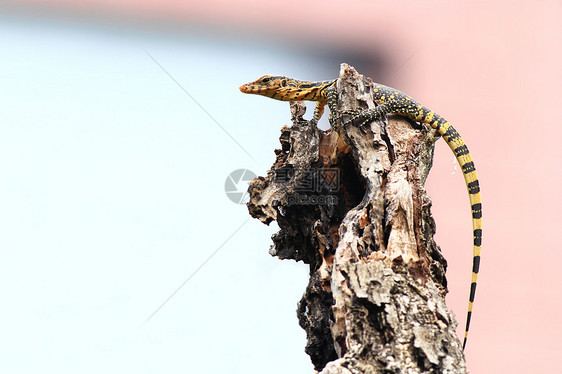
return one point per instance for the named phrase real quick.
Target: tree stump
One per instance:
(350, 202)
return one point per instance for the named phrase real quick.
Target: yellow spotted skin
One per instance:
(390, 100)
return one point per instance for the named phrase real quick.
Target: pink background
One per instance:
(493, 70)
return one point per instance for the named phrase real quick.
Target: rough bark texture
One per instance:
(350, 203)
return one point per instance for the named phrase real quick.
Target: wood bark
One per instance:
(350, 202)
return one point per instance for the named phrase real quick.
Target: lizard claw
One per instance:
(357, 117)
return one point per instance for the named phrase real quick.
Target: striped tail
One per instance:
(456, 143)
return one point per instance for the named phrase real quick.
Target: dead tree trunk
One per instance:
(350, 202)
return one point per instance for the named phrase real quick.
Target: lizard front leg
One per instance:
(367, 116)
(318, 111)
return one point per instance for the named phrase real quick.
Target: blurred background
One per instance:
(121, 121)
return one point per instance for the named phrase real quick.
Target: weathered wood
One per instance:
(350, 202)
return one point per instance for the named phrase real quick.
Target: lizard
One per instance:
(389, 100)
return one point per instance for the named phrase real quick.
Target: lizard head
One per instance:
(273, 86)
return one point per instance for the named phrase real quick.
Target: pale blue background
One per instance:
(112, 194)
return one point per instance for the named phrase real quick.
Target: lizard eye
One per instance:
(265, 80)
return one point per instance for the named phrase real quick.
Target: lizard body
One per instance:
(390, 100)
